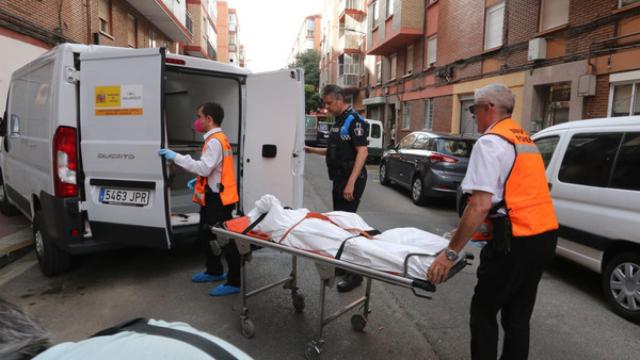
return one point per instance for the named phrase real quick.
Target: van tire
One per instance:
(51, 258)
(632, 259)
(5, 207)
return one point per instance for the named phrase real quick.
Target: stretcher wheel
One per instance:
(358, 322)
(248, 328)
(298, 301)
(312, 351)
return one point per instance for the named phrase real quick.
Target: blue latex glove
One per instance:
(191, 184)
(168, 154)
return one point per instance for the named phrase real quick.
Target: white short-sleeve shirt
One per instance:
(209, 164)
(491, 161)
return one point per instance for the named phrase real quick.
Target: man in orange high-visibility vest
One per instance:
(510, 196)
(216, 191)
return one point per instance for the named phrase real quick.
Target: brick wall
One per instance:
(460, 33)
(442, 113)
(522, 20)
(597, 106)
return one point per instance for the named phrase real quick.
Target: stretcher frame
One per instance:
(326, 270)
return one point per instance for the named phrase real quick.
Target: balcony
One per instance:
(165, 18)
(349, 81)
(397, 30)
(232, 47)
(211, 52)
(354, 7)
(350, 42)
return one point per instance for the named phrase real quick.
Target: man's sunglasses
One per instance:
(472, 108)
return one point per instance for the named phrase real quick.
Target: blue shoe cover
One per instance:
(204, 277)
(224, 290)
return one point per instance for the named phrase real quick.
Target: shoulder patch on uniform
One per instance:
(358, 130)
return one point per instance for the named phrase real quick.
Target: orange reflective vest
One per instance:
(228, 186)
(526, 192)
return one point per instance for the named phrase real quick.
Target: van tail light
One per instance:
(65, 162)
(175, 61)
(437, 157)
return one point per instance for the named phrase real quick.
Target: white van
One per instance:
(375, 140)
(593, 169)
(83, 127)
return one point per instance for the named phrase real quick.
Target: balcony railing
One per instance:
(233, 47)
(348, 80)
(357, 5)
(350, 41)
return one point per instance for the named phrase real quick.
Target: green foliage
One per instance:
(310, 62)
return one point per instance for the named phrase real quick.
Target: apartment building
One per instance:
(564, 60)
(29, 28)
(201, 20)
(342, 58)
(308, 37)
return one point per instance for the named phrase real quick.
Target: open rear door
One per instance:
(273, 134)
(121, 131)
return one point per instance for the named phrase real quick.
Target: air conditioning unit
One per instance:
(537, 49)
(587, 85)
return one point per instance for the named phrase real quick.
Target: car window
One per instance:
(310, 122)
(626, 173)
(455, 147)
(421, 142)
(547, 145)
(375, 131)
(407, 141)
(589, 159)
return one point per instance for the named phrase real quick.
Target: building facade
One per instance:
(308, 37)
(342, 49)
(201, 18)
(565, 60)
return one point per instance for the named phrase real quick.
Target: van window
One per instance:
(589, 159)
(375, 131)
(30, 110)
(547, 145)
(626, 173)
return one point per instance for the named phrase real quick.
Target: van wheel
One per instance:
(621, 285)
(52, 259)
(5, 207)
(417, 191)
(384, 177)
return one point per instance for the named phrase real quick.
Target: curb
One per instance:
(15, 245)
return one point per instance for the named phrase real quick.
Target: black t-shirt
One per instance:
(348, 131)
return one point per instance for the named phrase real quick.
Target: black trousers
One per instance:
(509, 284)
(210, 214)
(339, 202)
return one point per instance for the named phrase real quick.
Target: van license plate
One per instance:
(124, 197)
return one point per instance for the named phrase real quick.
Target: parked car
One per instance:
(322, 136)
(375, 140)
(429, 164)
(310, 130)
(593, 169)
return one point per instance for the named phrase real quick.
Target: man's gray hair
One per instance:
(497, 94)
(333, 90)
(21, 337)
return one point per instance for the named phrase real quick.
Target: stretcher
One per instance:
(243, 232)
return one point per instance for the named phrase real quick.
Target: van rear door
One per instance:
(273, 141)
(121, 131)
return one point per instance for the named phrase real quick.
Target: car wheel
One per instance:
(417, 191)
(52, 259)
(621, 285)
(384, 177)
(5, 207)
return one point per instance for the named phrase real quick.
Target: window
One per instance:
(428, 114)
(625, 99)
(379, 71)
(553, 13)
(432, 50)
(104, 14)
(494, 21)
(461, 148)
(626, 174)
(132, 31)
(376, 131)
(589, 159)
(349, 64)
(394, 66)
(547, 146)
(409, 60)
(391, 7)
(421, 142)
(152, 39)
(311, 27)
(407, 141)
(623, 3)
(376, 14)
(406, 114)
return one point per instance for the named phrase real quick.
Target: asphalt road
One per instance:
(571, 319)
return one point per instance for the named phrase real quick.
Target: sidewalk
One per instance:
(15, 238)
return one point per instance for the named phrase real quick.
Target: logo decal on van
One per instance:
(116, 156)
(115, 100)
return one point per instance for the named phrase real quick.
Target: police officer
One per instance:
(346, 155)
(510, 200)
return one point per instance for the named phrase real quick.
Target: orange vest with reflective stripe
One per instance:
(229, 193)
(526, 191)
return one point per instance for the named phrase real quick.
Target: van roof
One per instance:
(611, 122)
(191, 62)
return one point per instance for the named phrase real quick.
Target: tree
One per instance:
(310, 62)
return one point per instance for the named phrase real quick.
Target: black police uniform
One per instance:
(348, 131)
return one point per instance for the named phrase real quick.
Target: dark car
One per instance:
(429, 164)
(323, 133)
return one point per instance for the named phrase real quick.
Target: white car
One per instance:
(83, 127)
(593, 169)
